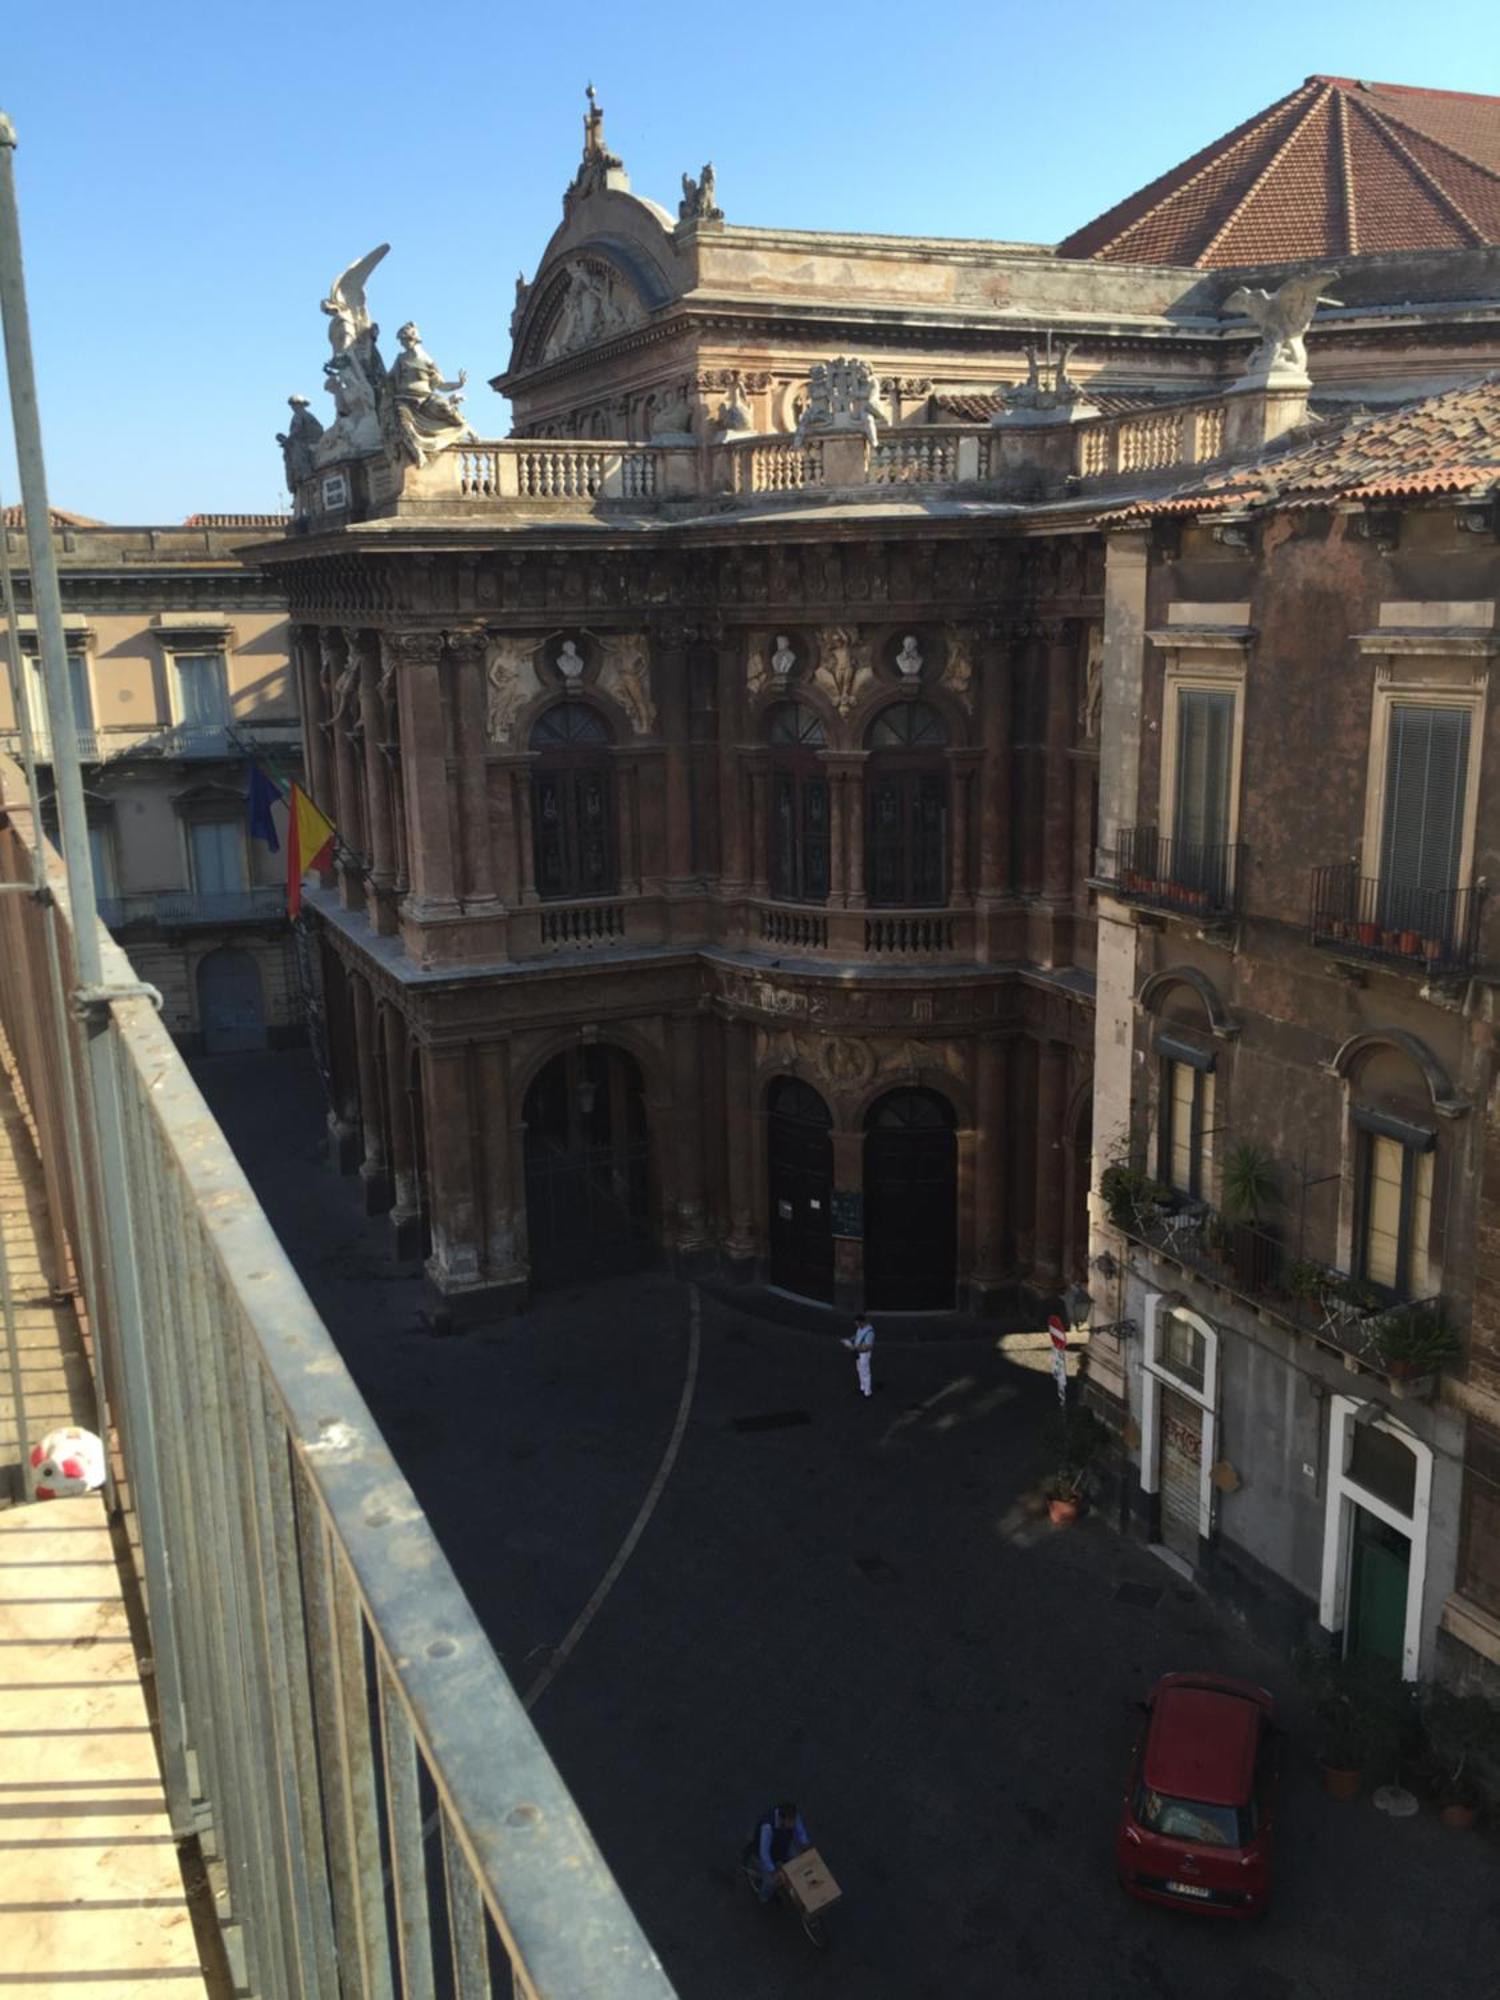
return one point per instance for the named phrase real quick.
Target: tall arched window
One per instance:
(799, 804)
(906, 807)
(572, 795)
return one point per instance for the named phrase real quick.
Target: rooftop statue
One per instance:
(354, 373)
(698, 203)
(1283, 316)
(1049, 395)
(841, 396)
(297, 442)
(599, 167)
(424, 407)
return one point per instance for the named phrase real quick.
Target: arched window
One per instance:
(906, 807)
(572, 798)
(799, 804)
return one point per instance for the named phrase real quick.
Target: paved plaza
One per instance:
(854, 1603)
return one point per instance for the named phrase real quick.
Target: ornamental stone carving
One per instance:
(909, 659)
(510, 683)
(569, 663)
(958, 672)
(423, 409)
(597, 303)
(841, 396)
(843, 671)
(625, 677)
(699, 198)
(354, 372)
(1283, 317)
(298, 443)
(1048, 395)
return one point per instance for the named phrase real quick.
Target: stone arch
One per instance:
(589, 1145)
(652, 1061)
(886, 694)
(924, 1076)
(1155, 989)
(805, 695)
(1352, 1054)
(911, 1199)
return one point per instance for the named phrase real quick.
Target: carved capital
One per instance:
(468, 645)
(333, 647)
(414, 646)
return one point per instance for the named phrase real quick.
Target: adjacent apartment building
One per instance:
(926, 771)
(178, 672)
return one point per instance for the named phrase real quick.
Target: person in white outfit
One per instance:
(863, 1344)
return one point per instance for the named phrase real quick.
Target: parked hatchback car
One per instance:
(1196, 1826)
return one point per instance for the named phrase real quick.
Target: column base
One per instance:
(376, 1182)
(406, 1235)
(343, 1145)
(455, 1307)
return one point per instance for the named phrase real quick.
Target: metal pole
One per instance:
(126, 1318)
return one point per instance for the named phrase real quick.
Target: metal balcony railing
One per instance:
(1190, 877)
(185, 908)
(1429, 930)
(333, 1719)
(1258, 1266)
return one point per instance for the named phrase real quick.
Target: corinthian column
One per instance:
(340, 675)
(424, 772)
(466, 650)
(382, 877)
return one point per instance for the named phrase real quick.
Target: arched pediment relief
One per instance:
(1155, 989)
(1351, 1056)
(591, 293)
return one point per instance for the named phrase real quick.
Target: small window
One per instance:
(202, 699)
(907, 725)
(799, 820)
(217, 851)
(1183, 1350)
(1383, 1465)
(793, 722)
(1427, 764)
(571, 722)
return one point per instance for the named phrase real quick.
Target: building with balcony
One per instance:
(801, 787)
(178, 672)
(1294, 1075)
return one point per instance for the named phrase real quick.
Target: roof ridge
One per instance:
(1387, 132)
(1346, 173)
(1368, 85)
(1216, 153)
(1299, 126)
(1442, 145)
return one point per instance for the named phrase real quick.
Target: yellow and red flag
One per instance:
(310, 838)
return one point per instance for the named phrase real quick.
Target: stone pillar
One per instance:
(848, 1251)
(374, 730)
(991, 1216)
(734, 871)
(448, 1102)
(959, 881)
(1051, 1090)
(343, 1061)
(307, 653)
(1057, 813)
(995, 708)
(509, 788)
(337, 672)
(739, 1114)
(405, 1205)
(424, 773)
(502, 1228)
(688, 1231)
(760, 828)
(466, 650)
(669, 678)
(374, 1171)
(854, 833)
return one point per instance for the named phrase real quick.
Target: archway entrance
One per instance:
(799, 1155)
(230, 1006)
(911, 1202)
(587, 1173)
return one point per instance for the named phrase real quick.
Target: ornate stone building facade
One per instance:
(735, 763)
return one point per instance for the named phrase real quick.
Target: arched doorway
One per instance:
(911, 1202)
(799, 1157)
(231, 1009)
(586, 1166)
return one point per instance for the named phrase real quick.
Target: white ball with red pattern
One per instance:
(66, 1463)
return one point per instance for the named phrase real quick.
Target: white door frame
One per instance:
(1344, 1495)
(1154, 1374)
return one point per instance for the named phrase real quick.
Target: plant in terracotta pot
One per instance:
(1461, 1733)
(1362, 1708)
(1416, 1339)
(1076, 1441)
(1129, 1192)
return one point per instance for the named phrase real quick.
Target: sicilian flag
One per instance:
(310, 838)
(264, 793)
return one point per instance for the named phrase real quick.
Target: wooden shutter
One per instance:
(1426, 768)
(1205, 742)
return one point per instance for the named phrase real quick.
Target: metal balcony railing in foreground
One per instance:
(1429, 930)
(332, 1714)
(1194, 878)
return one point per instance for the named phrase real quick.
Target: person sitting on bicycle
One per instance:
(781, 1835)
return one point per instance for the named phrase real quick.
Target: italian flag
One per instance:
(310, 838)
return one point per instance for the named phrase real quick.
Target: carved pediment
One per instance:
(588, 302)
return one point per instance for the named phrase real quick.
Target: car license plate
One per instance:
(1189, 1889)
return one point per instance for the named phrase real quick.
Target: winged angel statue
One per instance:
(354, 373)
(1283, 316)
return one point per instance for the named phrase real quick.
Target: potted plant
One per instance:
(1249, 1189)
(1416, 1339)
(1076, 1441)
(1128, 1192)
(1411, 944)
(1369, 934)
(1365, 1716)
(1306, 1281)
(1462, 1736)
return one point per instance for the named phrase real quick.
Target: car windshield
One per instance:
(1187, 1819)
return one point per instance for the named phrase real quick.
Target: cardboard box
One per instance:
(812, 1887)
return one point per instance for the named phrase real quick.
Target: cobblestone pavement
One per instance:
(853, 1603)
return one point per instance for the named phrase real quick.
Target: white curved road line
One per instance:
(637, 1527)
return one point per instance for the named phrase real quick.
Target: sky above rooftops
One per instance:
(192, 177)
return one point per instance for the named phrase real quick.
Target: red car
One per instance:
(1195, 1830)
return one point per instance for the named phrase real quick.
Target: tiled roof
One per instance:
(1449, 443)
(1338, 168)
(15, 519)
(235, 521)
(978, 406)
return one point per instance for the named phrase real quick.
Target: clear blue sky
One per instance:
(193, 175)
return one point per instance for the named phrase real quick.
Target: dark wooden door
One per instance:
(587, 1167)
(799, 1154)
(911, 1203)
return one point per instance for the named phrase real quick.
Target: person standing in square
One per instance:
(863, 1344)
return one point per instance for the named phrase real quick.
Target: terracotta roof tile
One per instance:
(1449, 443)
(1335, 169)
(15, 519)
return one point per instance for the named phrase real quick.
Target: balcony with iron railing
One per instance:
(1431, 931)
(186, 740)
(191, 908)
(1188, 878)
(1407, 1340)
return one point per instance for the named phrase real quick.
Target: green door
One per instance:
(1382, 1557)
